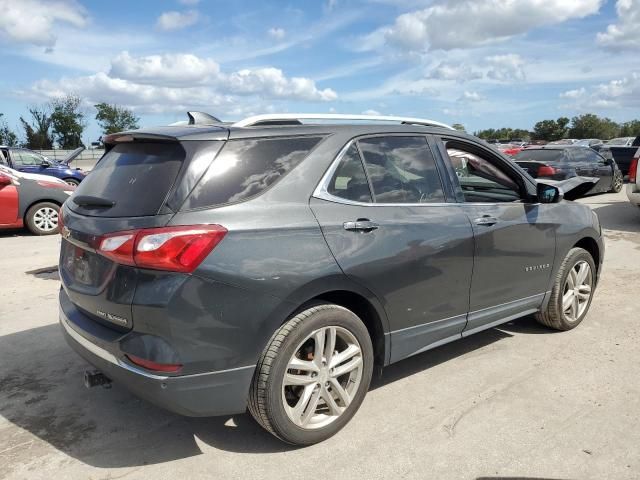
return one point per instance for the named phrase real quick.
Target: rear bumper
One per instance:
(633, 193)
(204, 394)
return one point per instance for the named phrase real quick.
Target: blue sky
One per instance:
(481, 63)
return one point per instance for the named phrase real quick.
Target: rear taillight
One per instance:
(154, 366)
(546, 171)
(633, 168)
(176, 249)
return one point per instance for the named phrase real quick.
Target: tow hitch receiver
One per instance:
(94, 378)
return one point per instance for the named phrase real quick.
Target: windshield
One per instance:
(540, 156)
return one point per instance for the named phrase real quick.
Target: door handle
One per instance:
(360, 225)
(486, 221)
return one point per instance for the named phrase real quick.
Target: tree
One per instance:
(505, 133)
(551, 130)
(630, 129)
(38, 135)
(592, 126)
(67, 121)
(7, 136)
(114, 118)
(459, 127)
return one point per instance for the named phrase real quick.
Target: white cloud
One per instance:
(178, 81)
(371, 111)
(471, 97)
(623, 93)
(34, 21)
(173, 69)
(276, 33)
(177, 20)
(626, 33)
(469, 23)
(506, 68)
(460, 72)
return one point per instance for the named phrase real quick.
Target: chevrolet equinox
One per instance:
(273, 264)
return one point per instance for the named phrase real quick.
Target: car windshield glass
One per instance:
(618, 141)
(540, 156)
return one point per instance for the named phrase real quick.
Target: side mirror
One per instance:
(46, 163)
(4, 180)
(549, 193)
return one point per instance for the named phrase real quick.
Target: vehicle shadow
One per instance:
(620, 216)
(41, 391)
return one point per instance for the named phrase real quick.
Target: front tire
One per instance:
(72, 181)
(42, 218)
(313, 375)
(572, 292)
(618, 182)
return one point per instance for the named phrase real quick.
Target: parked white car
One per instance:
(633, 187)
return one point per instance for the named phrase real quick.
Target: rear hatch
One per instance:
(136, 185)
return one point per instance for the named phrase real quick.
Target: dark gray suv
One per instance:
(272, 264)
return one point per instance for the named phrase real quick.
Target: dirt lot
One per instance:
(518, 400)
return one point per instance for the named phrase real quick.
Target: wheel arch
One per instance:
(590, 245)
(35, 202)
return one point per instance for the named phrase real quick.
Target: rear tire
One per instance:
(42, 218)
(572, 292)
(72, 181)
(299, 392)
(617, 183)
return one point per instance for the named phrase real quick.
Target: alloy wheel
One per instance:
(46, 219)
(322, 377)
(577, 291)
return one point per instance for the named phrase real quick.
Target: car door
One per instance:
(386, 220)
(514, 237)
(8, 200)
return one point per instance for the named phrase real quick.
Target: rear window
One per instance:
(136, 176)
(245, 168)
(540, 156)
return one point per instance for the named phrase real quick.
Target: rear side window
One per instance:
(540, 156)
(136, 176)
(245, 168)
(350, 181)
(584, 155)
(401, 170)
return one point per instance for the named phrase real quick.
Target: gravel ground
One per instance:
(514, 401)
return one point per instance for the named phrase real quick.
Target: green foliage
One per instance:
(630, 129)
(551, 130)
(7, 136)
(592, 126)
(67, 121)
(459, 127)
(38, 134)
(503, 133)
(113, 118)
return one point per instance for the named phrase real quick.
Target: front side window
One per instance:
(481, 180)
(245, 168)
(349, 181)
(401, 170)
(26, 159)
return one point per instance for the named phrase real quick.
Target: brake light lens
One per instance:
(546, 171)
(633, 168)
(154, 366)
(175, 249)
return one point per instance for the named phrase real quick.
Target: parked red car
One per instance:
(31, 200)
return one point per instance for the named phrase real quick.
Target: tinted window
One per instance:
(401, 170)
(481, 179)
(245, 168)
(136, 176)
(540, 156)
(350, 181)
(583, 155)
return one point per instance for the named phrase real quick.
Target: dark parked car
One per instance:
(561, 162)
(31, 200)
(622, 150)
(272, 265)
(28, 161)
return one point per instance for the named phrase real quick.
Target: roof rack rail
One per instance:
(294, 119)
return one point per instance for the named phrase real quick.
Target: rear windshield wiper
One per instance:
(90, 201)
